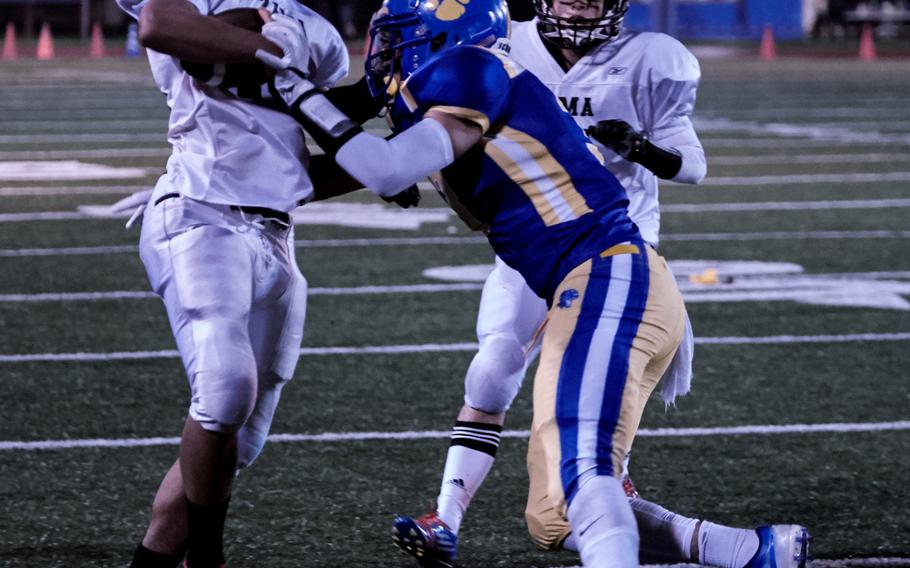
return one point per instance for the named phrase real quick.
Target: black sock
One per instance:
(145, 558)
(206, 527)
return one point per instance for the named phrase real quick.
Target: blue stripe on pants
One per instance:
(572, 372)
(619, 361)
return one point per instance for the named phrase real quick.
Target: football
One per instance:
(245, 77)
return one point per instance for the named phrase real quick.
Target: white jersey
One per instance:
(646, 79)
(227, 150)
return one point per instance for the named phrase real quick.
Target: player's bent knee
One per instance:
(222, 401)
(252, 436)
(546, 527)
(495, 375)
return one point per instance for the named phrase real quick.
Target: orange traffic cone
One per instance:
(867, 44)
(97, 48)
(9, 42)
(45, 43)
(767, 51)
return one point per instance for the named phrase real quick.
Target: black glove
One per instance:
(404, 199)
(619, 136)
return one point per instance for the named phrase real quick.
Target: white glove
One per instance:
(136, 201)
(292, 69)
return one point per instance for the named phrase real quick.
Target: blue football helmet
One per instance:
(407, 34)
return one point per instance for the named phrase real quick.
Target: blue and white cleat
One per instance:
(427, 539)
(782, 546)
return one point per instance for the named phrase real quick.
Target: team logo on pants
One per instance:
(566, 298)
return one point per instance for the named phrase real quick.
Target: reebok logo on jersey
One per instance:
(566, 298)
(617, 70)
(571, 106)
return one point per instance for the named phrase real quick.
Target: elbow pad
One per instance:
(387, 167)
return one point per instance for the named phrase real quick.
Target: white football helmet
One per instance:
(570, 33)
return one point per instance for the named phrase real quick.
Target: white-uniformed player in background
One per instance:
(217, 244)
(634, 93)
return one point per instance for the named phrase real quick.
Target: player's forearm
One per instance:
(176, 28)
(387, 167)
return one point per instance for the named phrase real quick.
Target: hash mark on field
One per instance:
(760, 430)
(441, 348)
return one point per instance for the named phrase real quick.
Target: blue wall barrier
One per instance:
(726, 19)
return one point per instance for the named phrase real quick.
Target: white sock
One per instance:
(468, 462)
(726, 547)
(604, 525)
(665, 536)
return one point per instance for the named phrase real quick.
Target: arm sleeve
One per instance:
(387, 167)
(133, 7)
(674, 82)
(470, 83)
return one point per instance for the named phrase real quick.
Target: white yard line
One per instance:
(668, 208)
(785, 205)
(786, 235)
(444, 348)
(818, 131)
(99, 138)
(801, 179)
(157, 124)
(749, 430)
(802, 159)
(72, 190)
(718, 143)
(83, 154)
(346, 291)
(714, 160)
(387, 289)
(461, 241)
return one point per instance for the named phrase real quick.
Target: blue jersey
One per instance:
(534, 184)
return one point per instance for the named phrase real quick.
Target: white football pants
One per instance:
(236, 301)
(508, 321)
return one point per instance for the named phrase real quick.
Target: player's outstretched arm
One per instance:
(386, 167)
(176, 28)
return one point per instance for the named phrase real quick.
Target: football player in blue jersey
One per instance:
(513, 164)
(634, 92)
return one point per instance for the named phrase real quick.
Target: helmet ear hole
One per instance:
(438, 42)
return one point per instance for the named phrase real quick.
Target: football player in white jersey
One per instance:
(634, 93)
(217, 244)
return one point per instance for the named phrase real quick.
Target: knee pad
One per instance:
(603, 523)
(223, 378)
(252, 436)
(495, 375)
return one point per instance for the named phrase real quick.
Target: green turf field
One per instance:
(809, 164)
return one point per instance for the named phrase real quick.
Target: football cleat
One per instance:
(427, 539)
(782, 546)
